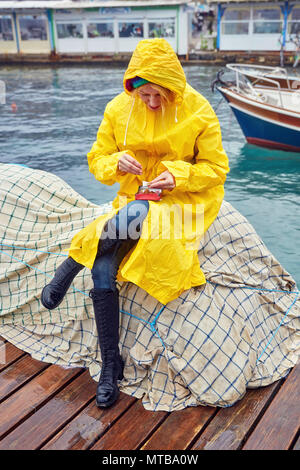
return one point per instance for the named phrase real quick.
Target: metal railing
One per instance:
(243, 73)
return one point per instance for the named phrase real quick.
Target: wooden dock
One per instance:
(47, 407)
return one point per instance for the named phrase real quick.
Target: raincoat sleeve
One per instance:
(211, 162)
(104, 155)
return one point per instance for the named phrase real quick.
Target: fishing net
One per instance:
(240, 330)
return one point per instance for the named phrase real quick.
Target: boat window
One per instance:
(236, 14)
(33, 27)
(267, 20)
(162, 29)
(131, 30)
(100, 30)
(236, 21)
(294, 21)
(6, 31)
(295, 15)
(266, 14)
(69, 30)
(264, 27)
(235, 28)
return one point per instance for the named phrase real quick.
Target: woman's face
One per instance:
(150, 96)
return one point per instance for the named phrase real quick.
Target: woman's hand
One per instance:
(128, 164)
(164, 181)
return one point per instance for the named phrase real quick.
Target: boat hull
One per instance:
(264, 126)
(257, 131)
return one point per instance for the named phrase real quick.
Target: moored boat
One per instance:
(269, 115)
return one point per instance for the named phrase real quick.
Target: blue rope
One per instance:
(294, 301)
(262, 289)
(153, 322)
(32, 249)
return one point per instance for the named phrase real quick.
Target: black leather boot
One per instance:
(54, 292)
(106, 308)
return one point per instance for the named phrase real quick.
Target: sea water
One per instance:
(49, 119)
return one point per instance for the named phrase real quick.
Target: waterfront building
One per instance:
(257, 25)
(68, 27)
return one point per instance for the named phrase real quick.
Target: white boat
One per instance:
(266, 104)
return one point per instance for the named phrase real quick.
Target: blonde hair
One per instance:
(167, 96)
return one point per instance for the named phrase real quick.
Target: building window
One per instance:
(6, 31)
(100, 30)
(69, 30)
(236, 21)
(235, 28)
(165, 29)
(294, 21)
(267, 21)
(33, 27)
(131, 30)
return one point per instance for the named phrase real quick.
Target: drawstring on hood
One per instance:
(129, 116)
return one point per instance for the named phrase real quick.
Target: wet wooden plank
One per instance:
(231, 425)
(8, 354)
(20, 372)
(88, 425)
(280, 423)
(180, 429)
(131, 430)
(54, 408)
(50, 418)
(25, 401)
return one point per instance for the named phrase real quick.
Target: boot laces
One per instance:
(110, 367)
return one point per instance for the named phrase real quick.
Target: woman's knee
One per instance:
(126, 224)
(130, 219)
(106, 266)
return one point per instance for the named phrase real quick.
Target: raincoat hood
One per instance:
(155, 61)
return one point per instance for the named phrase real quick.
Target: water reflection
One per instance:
(273, 173)
(268, 159)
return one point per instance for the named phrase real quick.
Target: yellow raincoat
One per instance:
(186, 140)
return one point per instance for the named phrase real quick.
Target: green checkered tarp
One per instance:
(240, 330)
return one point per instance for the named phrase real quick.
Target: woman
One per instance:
(162, 131)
